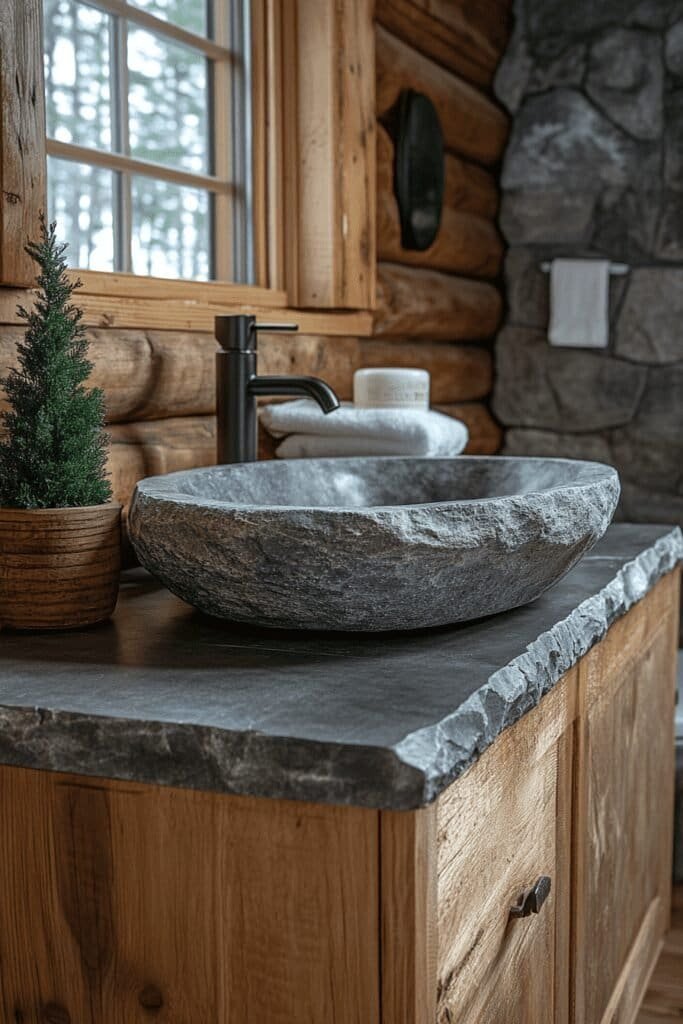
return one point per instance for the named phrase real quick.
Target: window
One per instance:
(227, 140)
(148, 117)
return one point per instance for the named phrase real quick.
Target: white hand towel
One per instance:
(579, 303)
(308, 432)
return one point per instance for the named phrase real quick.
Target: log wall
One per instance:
(449, 294)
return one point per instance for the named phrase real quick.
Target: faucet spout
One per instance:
(311, 387)
(238, 385)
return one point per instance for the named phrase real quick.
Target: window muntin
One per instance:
(193, 16)
(136, 100)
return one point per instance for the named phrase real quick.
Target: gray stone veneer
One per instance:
(594, 167)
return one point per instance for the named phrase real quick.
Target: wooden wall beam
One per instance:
(466, 244)
(426, 304)
(488, 21)
(147, 448)
(335, 154)
(472, 124)
(458, 44)
(461, 372)
(22, 136)
(149, 375)
(486, 436)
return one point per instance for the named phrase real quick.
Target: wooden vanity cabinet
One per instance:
(580, 791)
(125, 903)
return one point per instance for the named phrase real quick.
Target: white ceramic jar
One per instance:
(391, 388)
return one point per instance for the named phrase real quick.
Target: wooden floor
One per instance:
(663, 1002)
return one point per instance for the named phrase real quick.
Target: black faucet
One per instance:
(238, 386)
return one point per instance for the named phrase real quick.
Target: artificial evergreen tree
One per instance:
(53, 450)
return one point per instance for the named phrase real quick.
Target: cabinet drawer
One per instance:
(501, 828)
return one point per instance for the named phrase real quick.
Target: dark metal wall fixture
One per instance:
(419, 172)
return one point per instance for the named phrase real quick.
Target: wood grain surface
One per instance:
(624, 808)
(427, 304)
(147, 375)
(59, 567)
(663, 1002)
(122, 904)
(22, 136)
(335, 154)
(457, 43)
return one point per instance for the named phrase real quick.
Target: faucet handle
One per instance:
(270, 328)
(238, 333)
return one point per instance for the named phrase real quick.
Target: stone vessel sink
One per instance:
(369, 543)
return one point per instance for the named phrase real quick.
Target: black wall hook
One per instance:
(419, 169)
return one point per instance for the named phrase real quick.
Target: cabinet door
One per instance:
(501, 828)
(451, 950)
(624, 810)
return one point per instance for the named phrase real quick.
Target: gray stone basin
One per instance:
(369, 543)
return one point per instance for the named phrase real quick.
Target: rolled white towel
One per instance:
(308, 432)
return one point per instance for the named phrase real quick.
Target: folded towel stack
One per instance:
(308, 432)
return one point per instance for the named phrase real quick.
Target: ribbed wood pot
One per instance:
(59, 568)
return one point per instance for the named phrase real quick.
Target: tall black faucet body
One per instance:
(238, 386)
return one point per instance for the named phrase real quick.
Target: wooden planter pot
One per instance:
(59, 568)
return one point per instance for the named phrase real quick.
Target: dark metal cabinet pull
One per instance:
(531, 901)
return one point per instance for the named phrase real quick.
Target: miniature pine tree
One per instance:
(53, 450)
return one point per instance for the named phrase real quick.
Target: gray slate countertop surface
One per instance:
(165, 695)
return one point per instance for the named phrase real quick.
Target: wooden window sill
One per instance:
(120, 300)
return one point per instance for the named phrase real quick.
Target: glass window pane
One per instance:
(77, 74)
(170, 230)
(80, 199)
(168, 102)
(189, 14)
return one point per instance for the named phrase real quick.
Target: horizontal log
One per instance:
(154, 374)
(164, 374)
(467, 187)
(488, 20)
(413, 303)
(466, 243)
(459, 45)
(472, 124)
(148, 448)
(486, 436)
(144, 375)
(458, 373)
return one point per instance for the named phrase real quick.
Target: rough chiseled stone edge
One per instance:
(512, 691)
(406, 777)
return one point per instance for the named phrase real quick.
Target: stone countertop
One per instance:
(165, 695)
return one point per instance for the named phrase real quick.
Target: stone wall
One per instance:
(594, 167)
